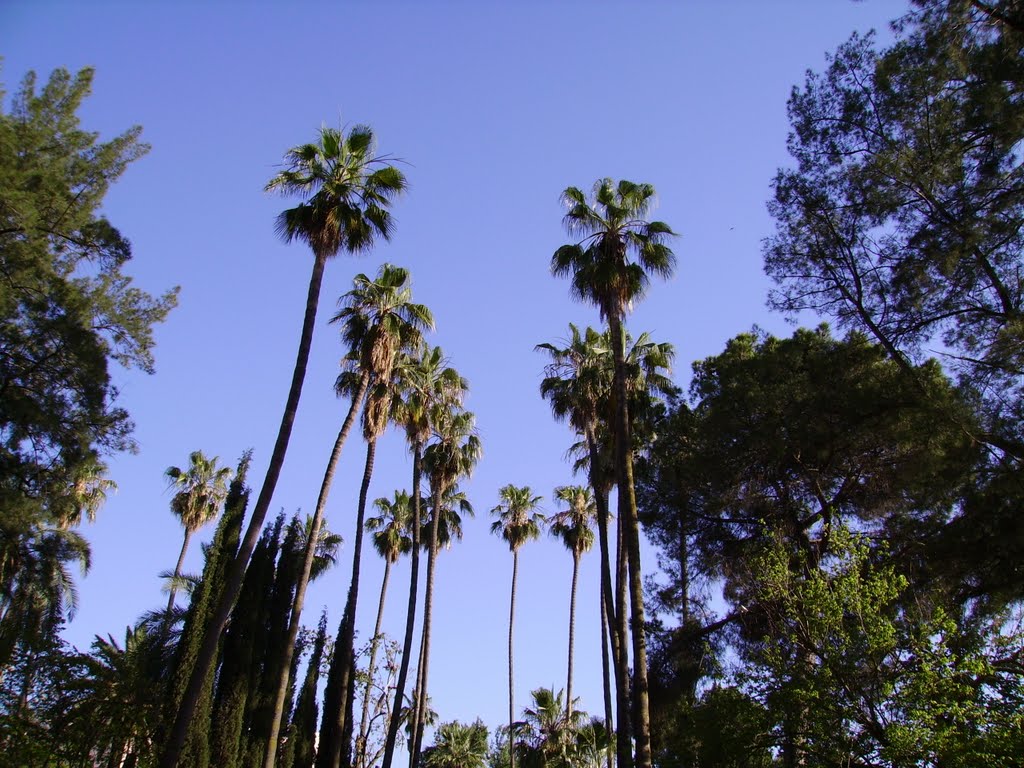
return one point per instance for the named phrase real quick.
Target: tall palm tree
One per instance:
(572, 527)
(427, 385)
(451, 456)
(613, 231)
(346, 191)
(390, 322)
(201, 489)
(391, 538)
(458, 746)
(518, 522)
(577, 384)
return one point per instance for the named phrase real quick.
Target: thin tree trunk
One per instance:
(410, 620)
(365, 717)
(307, 567)
(511, 675)
(348, 636)
(617, 629)
(572, 632)
(233, 582)
(605, 633)
(177, 573)
(428, 608)
(631, 528)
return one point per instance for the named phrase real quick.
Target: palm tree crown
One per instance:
(611, 228)
(572, 526)
(392, 527)
(346, 190)
(201, 489)
(518, 519)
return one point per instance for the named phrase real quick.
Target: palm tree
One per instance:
(346, 190)
(201, 489)
(612, 228)
(549, 733)
(392, 539)
(518, 522)
(572, 527)
(427, 385)
(385, 321)
(451, 456)
(578, 383)
(458, 746)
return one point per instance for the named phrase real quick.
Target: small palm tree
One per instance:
(392, 538)
(549, 737)
(346, 191)
(458, 746)
(200, 491)
(572, 527)
(613, 231)
(518, 522)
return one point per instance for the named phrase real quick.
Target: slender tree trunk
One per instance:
(617, 630)
(233, 582)
(511, 674)
(365, 717)
(416, 711)
(631, 529)
(428, 609)
(307, 567)
(572, 632)
(605, 633)
(177, 572)
(621, 628)
(347, 640)
(410, 620)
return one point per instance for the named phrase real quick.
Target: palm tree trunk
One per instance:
(511, 675)
(428, 608)
(631, 529)
(365, 717)
(572, 632)
(307, 566)
(621, 629)
(410, 619)
(605, 633)
(233, 582)
(348, 636)
(617, 630)
(177, 572)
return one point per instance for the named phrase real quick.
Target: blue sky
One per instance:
(495, 108)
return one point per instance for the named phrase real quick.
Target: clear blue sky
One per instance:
(496, 107)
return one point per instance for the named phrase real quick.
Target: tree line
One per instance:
(838, 577)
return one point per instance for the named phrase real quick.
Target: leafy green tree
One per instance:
(346, 191)
(200, 491)
(612, 227)
(572, 527)
(458, 746)
(903, 219)
(427, 386)
(518, 522)
(67, 312)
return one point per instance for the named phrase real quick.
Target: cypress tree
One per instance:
(303, 725)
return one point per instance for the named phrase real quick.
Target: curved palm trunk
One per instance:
(307, 566)
(428, 608)
(511, 675)
(410, 620)
(572, 632)
(177, 572)
(631, 533)
(605, 676)
(233, 582)
(617, 629)
(348, 636)
(374, 644)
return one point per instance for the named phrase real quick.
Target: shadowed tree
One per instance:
(613, 231)
(572, 528)
(200, 491)
(458, 746)
(346, 191)
(518, 522)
